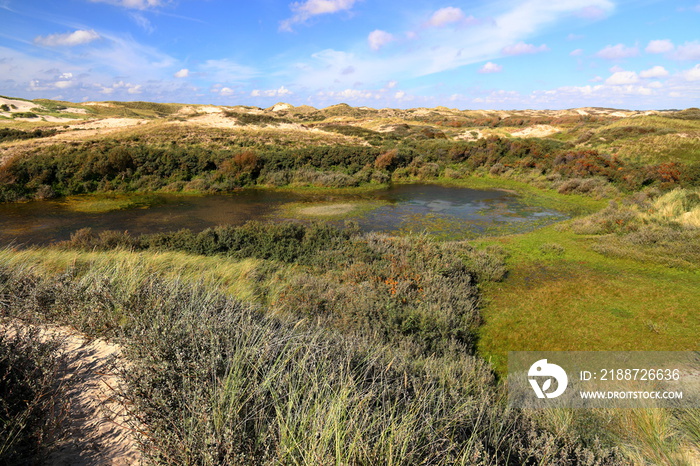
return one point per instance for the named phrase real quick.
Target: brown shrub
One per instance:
(386, 160)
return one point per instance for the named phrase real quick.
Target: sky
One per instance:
(498, 54)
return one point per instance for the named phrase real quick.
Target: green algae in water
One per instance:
(336, 210)
(102, 203)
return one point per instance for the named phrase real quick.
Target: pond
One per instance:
(447, 212)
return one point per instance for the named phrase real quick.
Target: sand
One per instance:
(97, 426)
(537, 131)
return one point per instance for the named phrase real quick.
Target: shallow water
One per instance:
(448, 212)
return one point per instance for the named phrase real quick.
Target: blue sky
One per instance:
(502, 54)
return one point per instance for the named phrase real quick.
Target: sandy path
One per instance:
(96, 426)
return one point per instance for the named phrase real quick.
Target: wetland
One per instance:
(447, 212)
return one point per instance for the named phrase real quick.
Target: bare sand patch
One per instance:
(21, 105)
(96, 429)
(109, 123)
(537, 131)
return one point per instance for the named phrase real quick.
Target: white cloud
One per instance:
(183, 73)
(622, 77)
(655, 85)
(304, 11)
(348, 94)
(616, 52)
(142, 22)
(281, 92)
(120, 86)
(521, 48)
(692, 74)
(378, 38)
(688, 51)
(69, 39)
(399, 95)
(597, 79)
(225, 91)
(134, 4)
(659, 46)
(490, 68)
(442, 49)
(576, 53)
(391, 84)
(445, 16)
(655, 72)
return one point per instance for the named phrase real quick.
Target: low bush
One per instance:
(29, 391)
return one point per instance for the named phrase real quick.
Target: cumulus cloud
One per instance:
(622, 78)
(576, 53)
(69, 39)
(659, 46)
(688, 51)
(183, 73)
(378, 38)
(655, 72)
(304, 11)
(617, 52)
(281, 92)
(120, 86)
(490, 68)
(134, 4)
(521, 48)
(445, 16)
(692, 74)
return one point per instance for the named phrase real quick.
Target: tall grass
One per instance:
(217, 381)
(665, 229)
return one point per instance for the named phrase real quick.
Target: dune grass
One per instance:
(301, 380)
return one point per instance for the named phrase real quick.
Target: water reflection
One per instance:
(448, 212)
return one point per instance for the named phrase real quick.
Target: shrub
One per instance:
(387, 160)
(29, 393)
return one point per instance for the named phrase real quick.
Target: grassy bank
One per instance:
(625, 278)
